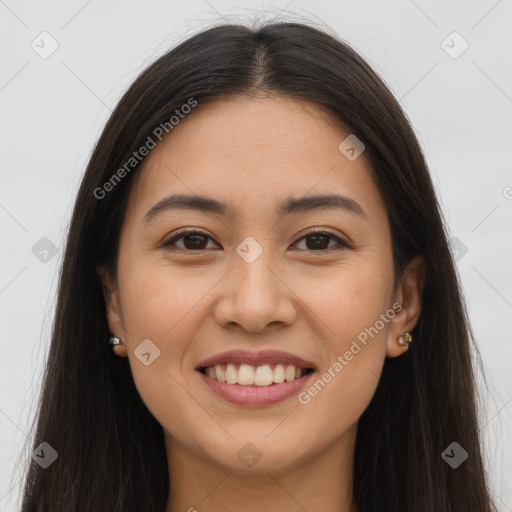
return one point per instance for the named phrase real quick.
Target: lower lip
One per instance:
(255, 396)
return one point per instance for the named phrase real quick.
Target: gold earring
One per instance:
(405, 339)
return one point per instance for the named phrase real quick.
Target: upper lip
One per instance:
(256, 358)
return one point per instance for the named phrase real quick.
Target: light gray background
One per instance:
(52, 111)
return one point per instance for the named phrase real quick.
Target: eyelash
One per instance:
(169, 244)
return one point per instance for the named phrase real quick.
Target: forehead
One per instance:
(250, 152)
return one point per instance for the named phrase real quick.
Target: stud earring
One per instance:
(405, 339)
(114, 340)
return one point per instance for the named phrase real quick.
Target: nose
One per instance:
(255, 296)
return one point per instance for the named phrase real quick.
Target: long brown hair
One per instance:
(111, 454)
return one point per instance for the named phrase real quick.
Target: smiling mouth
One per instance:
(248, 375)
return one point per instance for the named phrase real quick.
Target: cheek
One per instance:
(159, 302)
(353, 311)
(349, 298)
(159, 306)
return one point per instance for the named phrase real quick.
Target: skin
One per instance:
(254, 153)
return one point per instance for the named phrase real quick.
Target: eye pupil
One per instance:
(196, 238)
(318, 238)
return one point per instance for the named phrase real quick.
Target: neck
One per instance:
(323, 482)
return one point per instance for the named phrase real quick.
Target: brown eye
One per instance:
(319, 241)
(191, 241)
(316, 241)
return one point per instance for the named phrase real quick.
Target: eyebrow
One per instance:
(290, 205)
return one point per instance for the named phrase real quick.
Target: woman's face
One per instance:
(252, 288)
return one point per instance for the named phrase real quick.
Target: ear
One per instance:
(113, 310)
(408, 293)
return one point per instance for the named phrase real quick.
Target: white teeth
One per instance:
(221, 375)
(263, 375)
(279, 373)
(231, 374)
(248, 375)
(290, 373)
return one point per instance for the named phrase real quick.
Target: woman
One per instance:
(257, 239)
